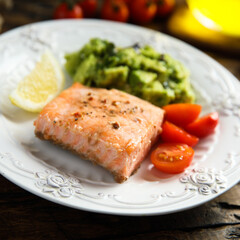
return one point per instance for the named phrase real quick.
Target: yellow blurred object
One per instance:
(218, 15)
(183, 24)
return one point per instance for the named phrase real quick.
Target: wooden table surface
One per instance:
(26, 216)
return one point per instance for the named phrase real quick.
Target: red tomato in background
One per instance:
(173, 134)
(115, 10)
(182, 114)
(142, 11)
(164, 7)
(204, 126)
(172, 157)
(89, 7)
(64, 11)
(127, 1)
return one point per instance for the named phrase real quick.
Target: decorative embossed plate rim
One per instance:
(215, 168)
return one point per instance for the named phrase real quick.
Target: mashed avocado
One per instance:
(155, 77)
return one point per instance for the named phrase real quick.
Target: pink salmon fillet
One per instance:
(109, 127)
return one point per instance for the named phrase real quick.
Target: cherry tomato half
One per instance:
(142, 11)
(173, 134)
(115, 10)
(204, 126)
(182, 114)
(63, 11)
(172, 157)
(89, 7)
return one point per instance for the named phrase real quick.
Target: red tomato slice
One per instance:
(204, 126)
(172, 157)
(182, 114)
(173, 134)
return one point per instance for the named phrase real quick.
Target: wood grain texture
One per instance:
(26, 216)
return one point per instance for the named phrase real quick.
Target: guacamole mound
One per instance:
(141, 71)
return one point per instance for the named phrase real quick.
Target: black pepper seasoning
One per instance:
(116, 125)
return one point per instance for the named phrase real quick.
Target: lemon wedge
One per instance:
(39, 87)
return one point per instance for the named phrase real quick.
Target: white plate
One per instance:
(28, 162)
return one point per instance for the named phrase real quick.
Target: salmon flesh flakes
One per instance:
(109, 127)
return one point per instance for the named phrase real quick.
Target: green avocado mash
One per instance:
(155, 77)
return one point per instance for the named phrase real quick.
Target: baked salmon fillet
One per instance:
(111, 128)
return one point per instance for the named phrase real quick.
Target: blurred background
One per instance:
(211, 25)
